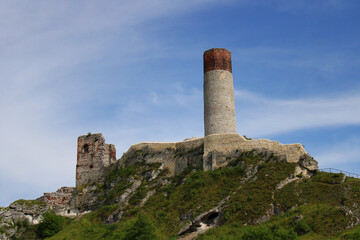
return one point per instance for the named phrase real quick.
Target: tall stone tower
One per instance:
(219, 104)
(93, 154)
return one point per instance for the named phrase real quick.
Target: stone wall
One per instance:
(175, 156)
(219, 147)
(60, 197)
(213, 151)
(208, 153)
(61, 201)
(92, 156)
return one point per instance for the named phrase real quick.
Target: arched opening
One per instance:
(86, 148)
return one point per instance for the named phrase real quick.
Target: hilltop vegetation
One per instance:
(242, 201)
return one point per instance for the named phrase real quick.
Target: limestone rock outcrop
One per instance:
(97, 175)
(19, 211)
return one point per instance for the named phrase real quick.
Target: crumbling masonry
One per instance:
(221, 141)
(93, 154)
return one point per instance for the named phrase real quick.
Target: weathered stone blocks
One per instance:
(219, 147)
(62, 201)
(214, 151)
(175, 156)
(219, 103)
(92, 156)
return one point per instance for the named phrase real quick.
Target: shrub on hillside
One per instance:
(142, 229)
(352, 236)
(49, 225)
(266, 233)
(302, 228)
(280, 233)
(257, 233)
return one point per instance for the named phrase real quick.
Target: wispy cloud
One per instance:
(44, 97)
(343, 155)
(51, 91)
(257, 115)
(336, 156)
(261, 116)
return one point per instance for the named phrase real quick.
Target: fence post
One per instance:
(334, 170)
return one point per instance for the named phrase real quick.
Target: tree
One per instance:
(49, 225)
(142, 229)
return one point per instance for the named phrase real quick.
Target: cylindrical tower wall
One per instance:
(219, 104)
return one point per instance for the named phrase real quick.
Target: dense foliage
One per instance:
(142, 229)
(315, 208)
(266, 233)
(49, 225)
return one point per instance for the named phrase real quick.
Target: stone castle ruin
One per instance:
(221, 139)
(220, 144)
(93, 154)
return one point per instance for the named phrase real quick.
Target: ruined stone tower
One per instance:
(219, 105)
(92, 156)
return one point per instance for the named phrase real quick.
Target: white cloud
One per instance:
(261, 116)
(343, 155)
(42, 44)
(257, 116)
(339, 155)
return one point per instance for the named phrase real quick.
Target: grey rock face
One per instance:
(173, 156)
(213, 151)
(204, 221)
(308, 162)
(297, 218)
(19, 211)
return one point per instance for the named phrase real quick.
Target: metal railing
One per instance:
(334, 170)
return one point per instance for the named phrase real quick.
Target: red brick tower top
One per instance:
(217, 58)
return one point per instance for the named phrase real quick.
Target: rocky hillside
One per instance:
(257, 194)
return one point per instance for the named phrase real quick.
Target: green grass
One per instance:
(118, 178)
(200, 192)
(253, 199)
(322, 200)
(88, 228)
(321, 222)
(117, 181)
(29, 203)
(139, 195)
(332, 178)
(49, 225)
(314, 190)
(103, 212)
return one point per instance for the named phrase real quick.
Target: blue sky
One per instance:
(133, 71)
